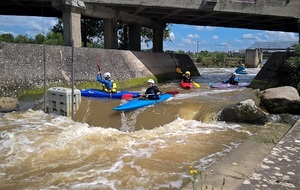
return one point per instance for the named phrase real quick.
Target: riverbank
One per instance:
(234, 168)
(27, 66)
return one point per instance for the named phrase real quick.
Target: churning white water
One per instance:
(45, 151)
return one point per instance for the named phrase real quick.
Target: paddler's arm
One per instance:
(99, 74)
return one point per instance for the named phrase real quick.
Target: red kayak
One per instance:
(186, 85)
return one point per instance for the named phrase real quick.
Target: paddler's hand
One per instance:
(143, 96)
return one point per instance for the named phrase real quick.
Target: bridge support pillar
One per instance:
(135, 37)
(158, 39)
(253, 57)
(110, 34)
(72, 28)
(71, 20)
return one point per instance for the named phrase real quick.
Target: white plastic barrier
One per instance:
(60, 100)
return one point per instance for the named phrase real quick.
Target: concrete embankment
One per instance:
(275, 73)
(257, 165)
(22, 65)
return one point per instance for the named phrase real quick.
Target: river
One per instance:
(149, 148)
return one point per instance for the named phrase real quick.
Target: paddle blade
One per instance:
(178, 70)
(172, 92)
(127, 96)
(196, 84)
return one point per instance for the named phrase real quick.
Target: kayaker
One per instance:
(186, 77)
(107, 84)
(232, 80)
(151, 92)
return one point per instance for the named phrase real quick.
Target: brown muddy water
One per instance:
(148, 148)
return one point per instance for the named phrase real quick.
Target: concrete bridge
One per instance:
(272, 15)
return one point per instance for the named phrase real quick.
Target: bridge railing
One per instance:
(273, 45)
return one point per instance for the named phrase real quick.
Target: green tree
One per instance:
(205, 53)
(123, 31)
(58, 28)
(214, 59)
(7, 38)
(54, 38)
(202, 56)
(91, 31)
(221, 58)
(293, 65)
(181, 51)
(22, 39)
(147, 34)
(40, 38)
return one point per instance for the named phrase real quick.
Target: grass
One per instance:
(198, 179)
(38, 92)
(271, 134)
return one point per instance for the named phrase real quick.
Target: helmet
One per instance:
(106, 75)
(233, 74)
(151, 81)
(187, 73)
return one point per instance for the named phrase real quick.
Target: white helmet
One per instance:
(106, 75)
(151, 81)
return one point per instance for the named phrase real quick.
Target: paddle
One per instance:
(178, 70)
(219, 80)
(130, 96)
(98, 65)
(211, 84)
(196, 84)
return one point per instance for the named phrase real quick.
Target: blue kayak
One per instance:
(138, 103)
(101, 94)
(241, 70)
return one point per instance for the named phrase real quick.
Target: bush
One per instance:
(293, 65)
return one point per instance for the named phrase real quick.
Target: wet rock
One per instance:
(244, 112)
(8, 104)
(281, 100)
(284, 118)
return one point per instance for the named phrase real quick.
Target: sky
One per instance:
(184, 37)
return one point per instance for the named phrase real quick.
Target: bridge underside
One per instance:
(198, 17)
(271, 15)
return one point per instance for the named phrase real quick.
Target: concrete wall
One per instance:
(253, 58)
(22, 65)
(274, 73)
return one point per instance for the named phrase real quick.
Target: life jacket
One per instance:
(113, 88)
(153, 91)
(233, 80)
(186, 78)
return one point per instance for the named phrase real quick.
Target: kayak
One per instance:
(186, 85)
(101, 94)
(241, 70)
(138, 103)
(227, 85)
